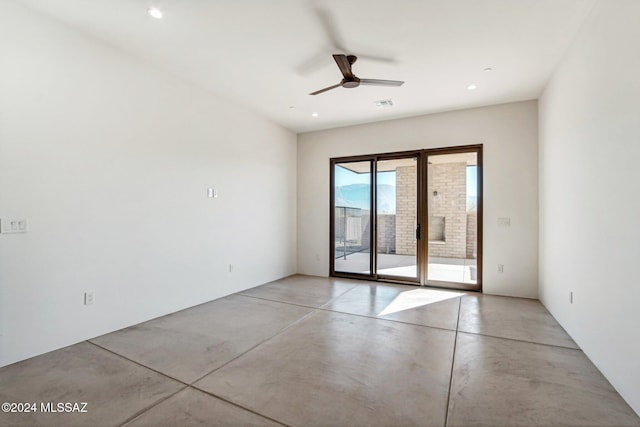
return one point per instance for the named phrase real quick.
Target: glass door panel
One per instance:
(452, 209)
(397, 218)
(352, 217)
(411, 217)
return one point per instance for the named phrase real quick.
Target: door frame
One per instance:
(422, 248)
(425, 219)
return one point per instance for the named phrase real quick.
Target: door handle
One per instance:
(418, 232)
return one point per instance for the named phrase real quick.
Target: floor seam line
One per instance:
(153, 405)
(297, 304)
(237, 405)
(138, 363)
(192, 384)
(336, 297)
(254, 347)
(521, 340)
(453, 359)
(386, 320)
(275, 300)
(139, 413)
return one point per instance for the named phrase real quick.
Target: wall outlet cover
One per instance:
(88, 298)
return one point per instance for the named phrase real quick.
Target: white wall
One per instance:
(509, 133)
(590, 193)
(110, 159)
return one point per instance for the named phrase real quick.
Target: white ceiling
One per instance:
(268, 55)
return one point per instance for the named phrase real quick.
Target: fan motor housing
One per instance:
(351, 83)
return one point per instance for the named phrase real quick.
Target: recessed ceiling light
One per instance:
(472, 87)
(315, 114)
(154, 12)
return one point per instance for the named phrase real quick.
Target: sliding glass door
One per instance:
(397, 218)
(351, 224)
(374, 222)
(453, 204)
(411, 217)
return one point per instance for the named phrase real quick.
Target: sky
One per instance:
(472, 181)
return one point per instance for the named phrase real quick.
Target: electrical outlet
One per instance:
(317, 257)
(571, 297)
(88, 298)
(230, 268)
(500, 268)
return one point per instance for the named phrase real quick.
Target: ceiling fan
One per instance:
(350, 80)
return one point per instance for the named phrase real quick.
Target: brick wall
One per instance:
(472, 234)
(366, 229)
(406, 209)
(386, 234)
(450, 181)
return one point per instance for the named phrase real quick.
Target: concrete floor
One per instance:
(309, 351)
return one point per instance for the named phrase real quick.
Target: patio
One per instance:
(440, 269)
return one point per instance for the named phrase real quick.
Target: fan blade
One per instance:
(376, 82)
(344, 65)
(376, 58)
(325, 89)
(328, 23)
(313, 64)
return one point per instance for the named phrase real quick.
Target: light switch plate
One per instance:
(14, 225)
(504, 222)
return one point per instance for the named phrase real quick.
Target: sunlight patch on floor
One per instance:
(417, 298)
